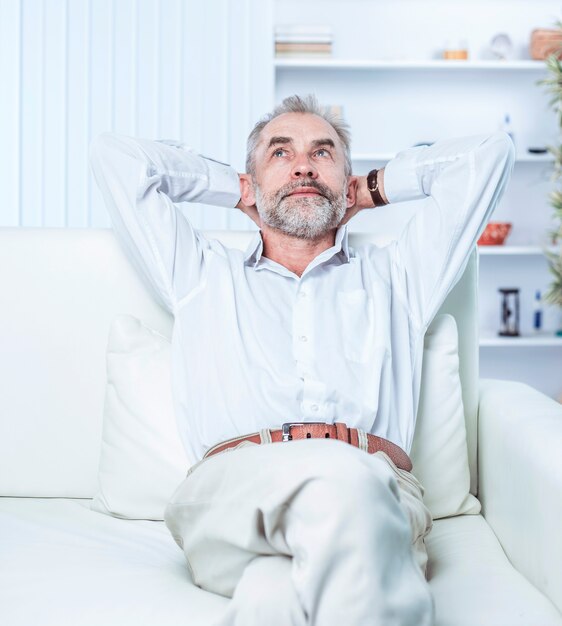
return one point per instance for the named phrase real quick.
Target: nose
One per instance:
(303, 168)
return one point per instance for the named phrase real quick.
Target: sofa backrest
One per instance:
(61, 289)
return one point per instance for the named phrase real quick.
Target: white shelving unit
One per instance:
(395, 93)
(373, 64)
(542, 341)
(386, 156)
(512, 250)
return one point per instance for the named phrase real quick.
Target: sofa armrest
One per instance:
(520, 478)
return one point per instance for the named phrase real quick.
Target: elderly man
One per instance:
(320, 523)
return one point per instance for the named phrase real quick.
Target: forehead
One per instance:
(298, 126)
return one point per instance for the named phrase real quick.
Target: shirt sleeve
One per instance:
(461, 182)
(141, 181)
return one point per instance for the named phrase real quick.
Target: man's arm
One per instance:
(250, 211)
(461, 182)
(363, 198)
(140, 181)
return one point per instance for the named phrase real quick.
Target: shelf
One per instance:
(535, 158)
(513, 250)
(373, 156)
(529, 341)
(387, 156)
(437, 64)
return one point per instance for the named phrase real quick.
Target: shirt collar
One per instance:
(254, 250)
(341, 241)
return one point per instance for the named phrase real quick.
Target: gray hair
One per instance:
(296, 104)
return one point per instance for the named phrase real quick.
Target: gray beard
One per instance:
(305, 218)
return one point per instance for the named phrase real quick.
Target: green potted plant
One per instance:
(553, 84)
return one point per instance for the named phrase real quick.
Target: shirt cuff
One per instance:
(223, 180)
(400, 177)
(224, 184)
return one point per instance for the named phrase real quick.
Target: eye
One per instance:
(322, 152)
(279, 152)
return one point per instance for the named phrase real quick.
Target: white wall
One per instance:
(150, 68)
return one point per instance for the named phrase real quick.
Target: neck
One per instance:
(292, 252)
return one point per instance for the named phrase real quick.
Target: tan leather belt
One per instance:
(314, 430)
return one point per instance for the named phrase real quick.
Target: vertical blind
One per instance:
(158, 70)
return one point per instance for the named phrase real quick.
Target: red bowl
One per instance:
(495, 234)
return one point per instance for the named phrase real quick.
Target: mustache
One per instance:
(290, 187)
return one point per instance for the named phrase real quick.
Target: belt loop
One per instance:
(363, 442)
(265, 435)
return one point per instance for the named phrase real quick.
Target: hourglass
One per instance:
(509, 313)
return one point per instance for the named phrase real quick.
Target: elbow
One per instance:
(98, 149)
(101, 145)
(108, 143)
(109, 152)
(505, 149)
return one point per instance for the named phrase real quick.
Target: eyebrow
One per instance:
(323, 142)
(275, 140)
(315, 144)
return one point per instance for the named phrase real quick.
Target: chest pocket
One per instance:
(356, 319)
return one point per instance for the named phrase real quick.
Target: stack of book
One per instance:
(303, 40)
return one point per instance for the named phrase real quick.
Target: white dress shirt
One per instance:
(253, 344)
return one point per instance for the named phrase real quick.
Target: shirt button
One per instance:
(302, 294)
(314, 407)
(303, 338)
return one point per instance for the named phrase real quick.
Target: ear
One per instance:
(247, 194)
(351, 195)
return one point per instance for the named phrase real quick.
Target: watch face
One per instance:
(371, 177)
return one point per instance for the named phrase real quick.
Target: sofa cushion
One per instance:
(439, 450)
(140, 437)
(142, 460)
(473, 582)
(61, 290)
(65, 564)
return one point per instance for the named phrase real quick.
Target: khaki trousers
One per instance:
(311, 531)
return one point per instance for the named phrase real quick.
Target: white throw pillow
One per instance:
(142, 460)
(439, 451)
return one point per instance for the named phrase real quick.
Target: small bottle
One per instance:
(507, 127)
(537, 313)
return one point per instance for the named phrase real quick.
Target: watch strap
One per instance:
(373, 187)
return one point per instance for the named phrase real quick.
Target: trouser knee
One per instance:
(265, 594)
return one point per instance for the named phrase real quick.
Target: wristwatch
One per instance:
(373, 187)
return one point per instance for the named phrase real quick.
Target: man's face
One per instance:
(300, 186)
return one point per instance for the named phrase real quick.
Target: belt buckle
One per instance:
(286, 428)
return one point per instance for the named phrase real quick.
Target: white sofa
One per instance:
(63, 563)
